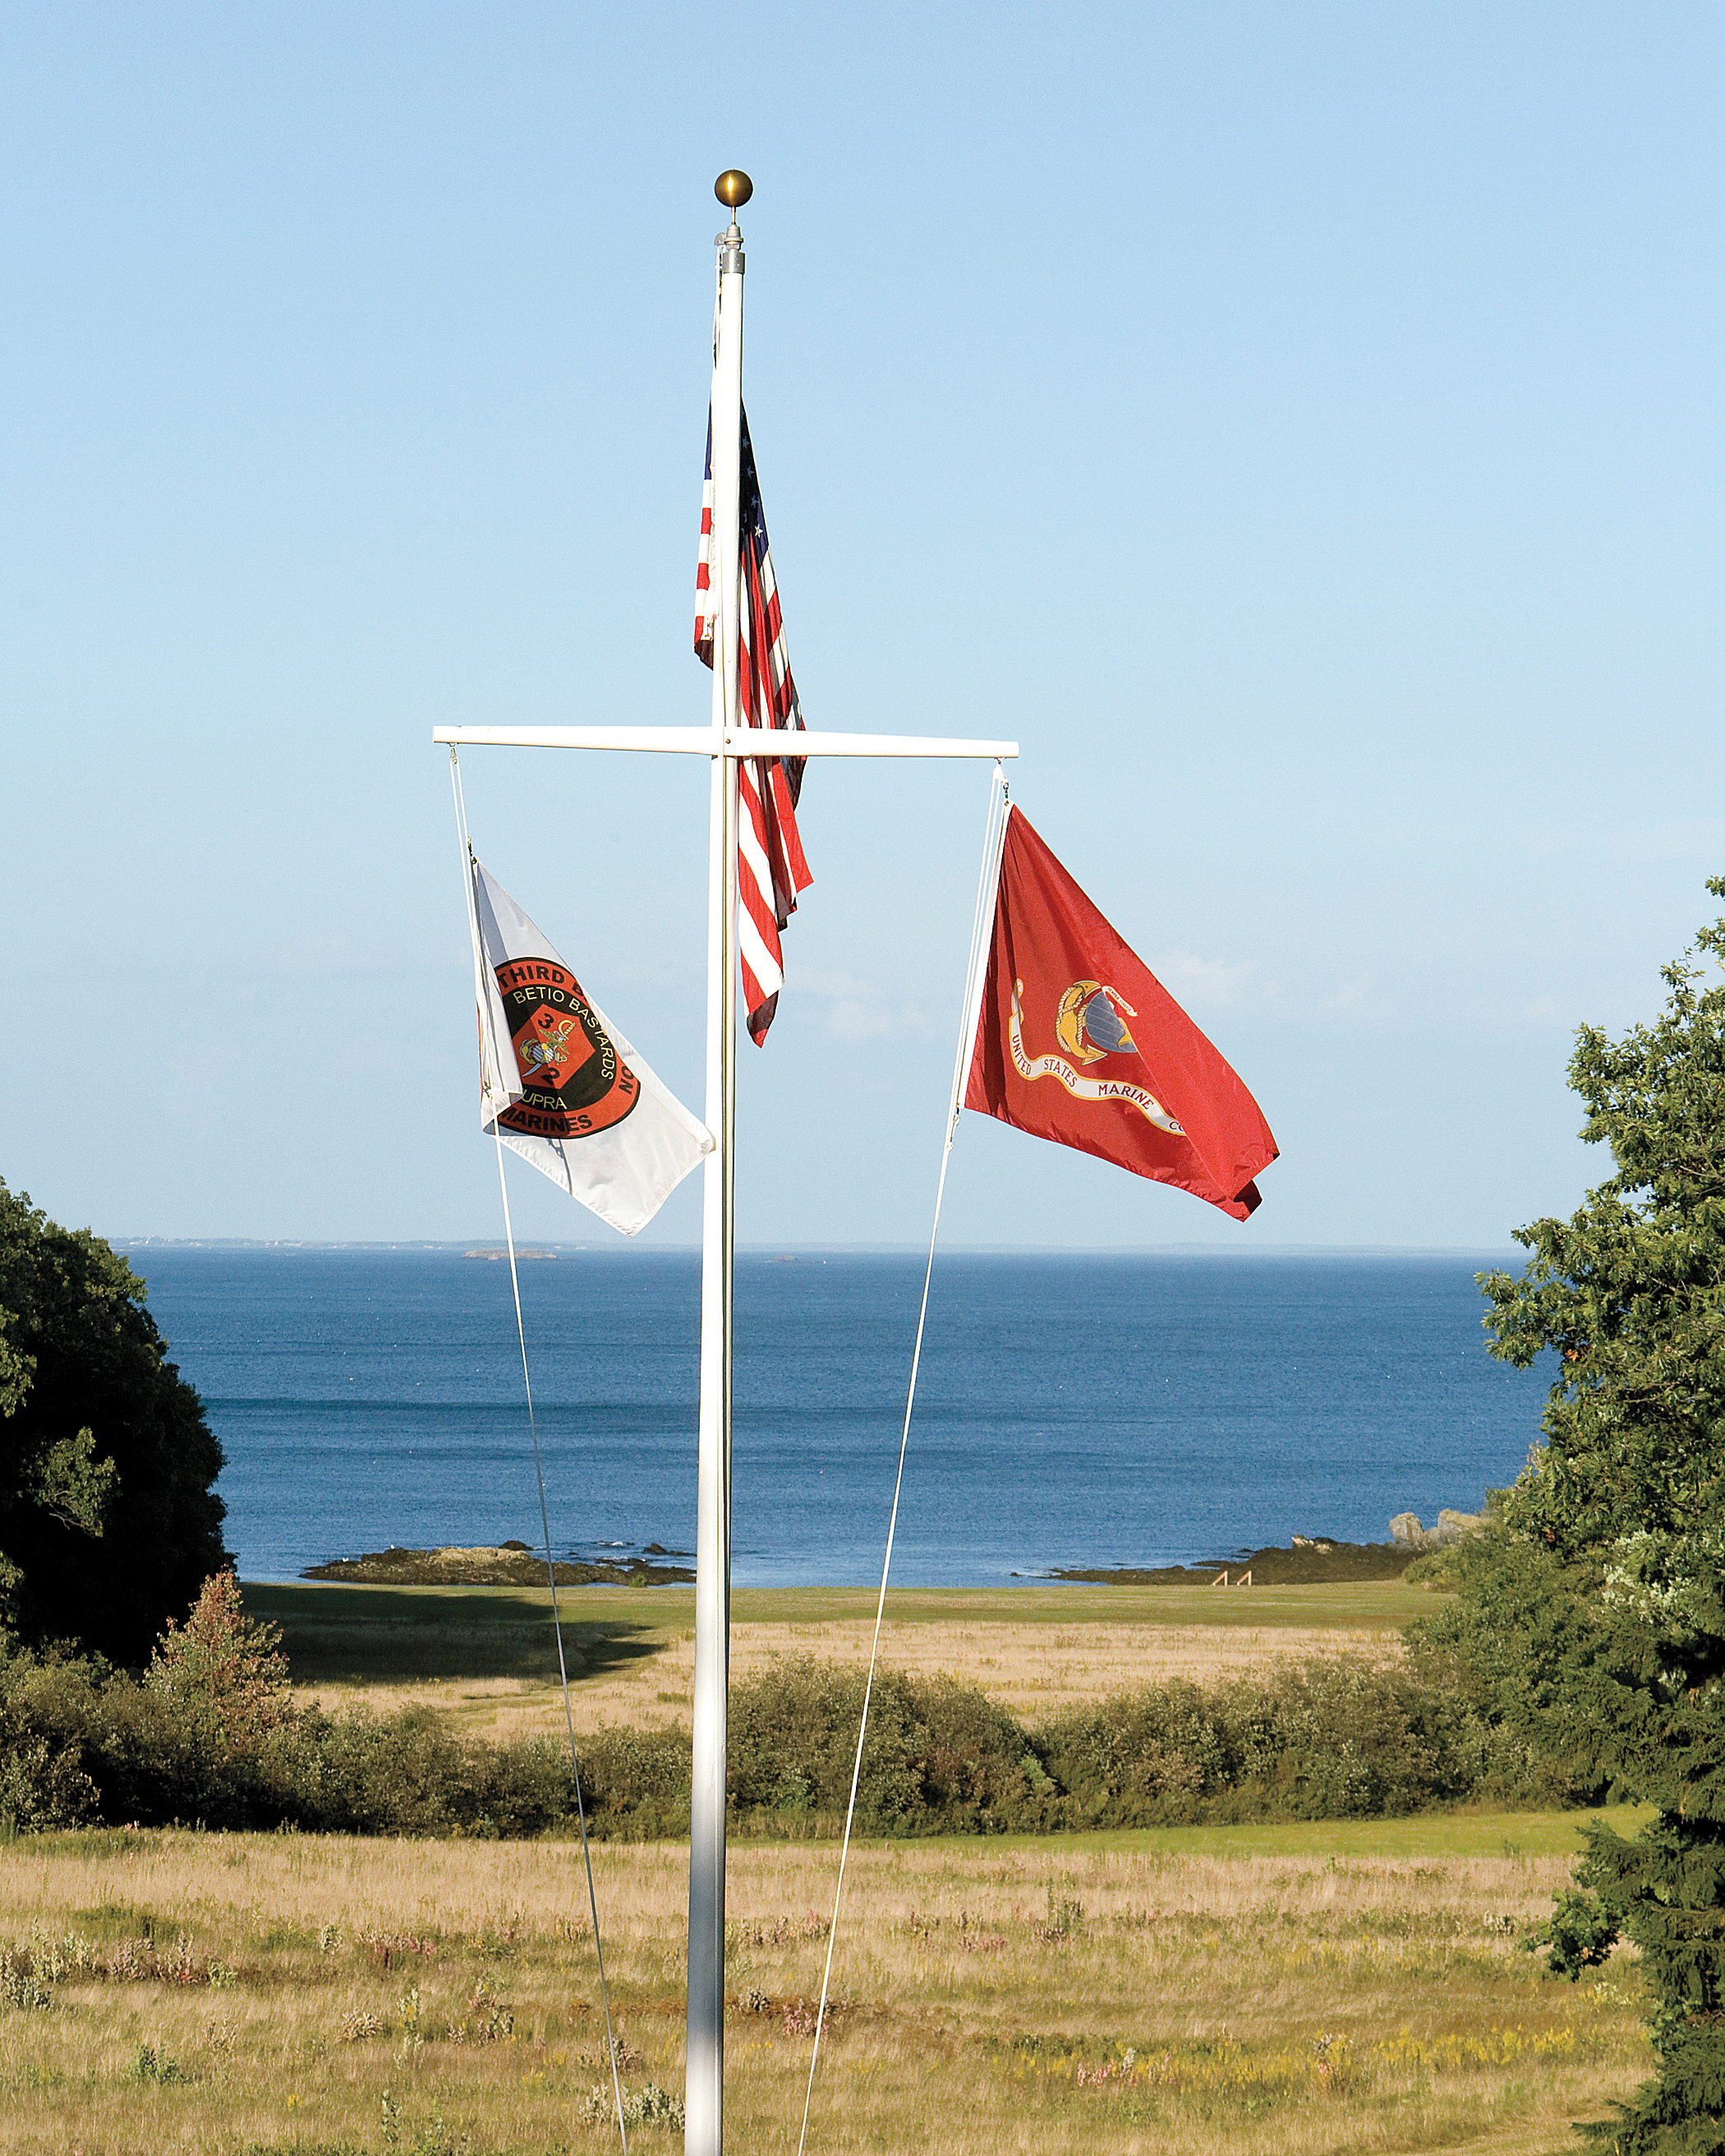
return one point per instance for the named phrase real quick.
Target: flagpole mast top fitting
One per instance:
(733, 188)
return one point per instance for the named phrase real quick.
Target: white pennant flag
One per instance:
(559, 1083)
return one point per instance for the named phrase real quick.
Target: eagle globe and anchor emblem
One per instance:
(573, 1082)
(1090, 1024)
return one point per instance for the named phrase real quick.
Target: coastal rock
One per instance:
(1451, 1526)
(1311, 1561)
(487, 1565)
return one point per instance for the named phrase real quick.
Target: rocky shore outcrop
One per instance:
(1308, 1561)
(507, 1564)
(1451, 1526)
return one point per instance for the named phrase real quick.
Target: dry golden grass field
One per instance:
(484, 1655)
(1248, 1990)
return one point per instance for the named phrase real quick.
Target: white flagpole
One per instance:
(704, 2127)
(724, 742)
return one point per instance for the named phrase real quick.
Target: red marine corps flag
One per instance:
(560, 1084)
(1079, 1042)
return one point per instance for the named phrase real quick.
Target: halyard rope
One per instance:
(982, 923)
(550, 1576)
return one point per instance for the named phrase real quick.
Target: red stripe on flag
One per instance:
(771, 868)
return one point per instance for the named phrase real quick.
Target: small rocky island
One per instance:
(502, 1564)
(1309, 1561)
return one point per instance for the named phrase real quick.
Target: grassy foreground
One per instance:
(1351, 1986)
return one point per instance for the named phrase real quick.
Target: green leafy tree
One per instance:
(1505, 1644)
(1609, 1567)
(109, 1524)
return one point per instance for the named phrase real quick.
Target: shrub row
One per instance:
(80, 1745)
(1327, 1740)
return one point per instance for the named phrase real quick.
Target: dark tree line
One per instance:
(109, 1522)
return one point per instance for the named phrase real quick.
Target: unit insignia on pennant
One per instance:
(1089, 1026)
(573, 1082)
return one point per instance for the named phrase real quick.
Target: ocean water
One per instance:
(1072, 1409)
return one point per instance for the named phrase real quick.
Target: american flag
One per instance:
(770, 867)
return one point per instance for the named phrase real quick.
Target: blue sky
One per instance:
(1298, 426)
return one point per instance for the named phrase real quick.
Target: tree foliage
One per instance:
(1607, 1577)
(108, 1521)
(1579, 1934)
(223, 1672)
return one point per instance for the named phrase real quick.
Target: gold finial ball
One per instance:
(733, 189)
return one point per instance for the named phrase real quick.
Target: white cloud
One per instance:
(1209, 984)
(340, 956)
(859, 1010)
(323, 954)
(1351, 993)
(1696, 838)
(851, 1021)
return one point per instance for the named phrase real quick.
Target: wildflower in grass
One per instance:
(649, 2105)
(19, 1985)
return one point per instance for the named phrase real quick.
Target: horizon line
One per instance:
(790, 1249)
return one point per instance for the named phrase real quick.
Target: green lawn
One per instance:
(397, 1635)
(404, 1634)
(1447, 1835)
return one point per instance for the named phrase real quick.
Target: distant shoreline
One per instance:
(466, 1246)
(1309, 1563)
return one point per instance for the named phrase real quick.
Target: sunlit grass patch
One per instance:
(224, 1993)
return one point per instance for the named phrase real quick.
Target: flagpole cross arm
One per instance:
(739, 743)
